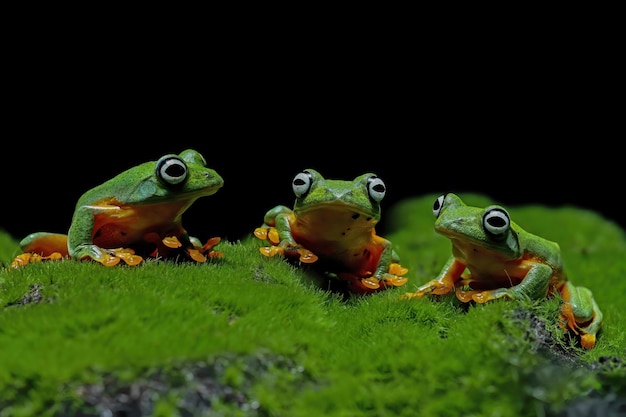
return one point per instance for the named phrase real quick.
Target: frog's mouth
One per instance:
(205, 191)
(183, 194)
(338, 209)
(469, 245)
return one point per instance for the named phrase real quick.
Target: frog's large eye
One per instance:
(438, 205)
(171, 170)
(496, 221)
(301, 183)
(376, 188)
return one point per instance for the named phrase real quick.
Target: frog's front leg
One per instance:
(534, 285)
(107, 257)
(581, 313)
(444, 283)
(81, 245)
(277, 230)
(388, 271)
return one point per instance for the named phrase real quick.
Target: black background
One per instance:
(520, 124)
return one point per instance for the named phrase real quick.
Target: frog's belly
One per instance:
(490, 269)
(347, 239)
(132, 231)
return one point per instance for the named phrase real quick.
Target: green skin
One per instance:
(335, 219)
(504, 262)
(138, 202)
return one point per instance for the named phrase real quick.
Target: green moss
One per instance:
(247, 335)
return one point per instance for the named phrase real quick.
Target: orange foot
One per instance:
(120, 254)
(368, 284)
(436, 287)
(271, 235)
(27, 258)
(303, 255)
(372, 284)
(198, 254)
(267, 233)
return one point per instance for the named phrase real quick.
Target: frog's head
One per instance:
(363, 194)
(190, 173)
(490, 227)
(170, 178)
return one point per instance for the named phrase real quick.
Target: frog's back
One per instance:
(130, 186)
(547, 251)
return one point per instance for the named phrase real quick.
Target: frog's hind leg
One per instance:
(44, 243)
(41, 246)
(581, 313)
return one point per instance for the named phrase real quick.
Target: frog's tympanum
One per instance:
(134, 215)
(492, 258)
(333, 224)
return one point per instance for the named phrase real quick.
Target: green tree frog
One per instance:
(333, 223)
(137, 211)
(493, 257)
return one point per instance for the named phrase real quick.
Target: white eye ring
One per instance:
(376, 189)
(496, 221)
(301, 183)
(438, 205)
(171, 170)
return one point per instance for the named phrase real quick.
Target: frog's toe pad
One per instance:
(588, 341)
(397, 269)
(172, 242)
(371, 283)
(109, 260)
(267, 233)
(466, 296)
(394, 280)
(210, 243)
(481, 297)
(196, 255)
(433, 287)
(120, 254)
(306, 256)
(271, 250)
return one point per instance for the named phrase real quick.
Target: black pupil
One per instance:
(175, 170)
(497, 221)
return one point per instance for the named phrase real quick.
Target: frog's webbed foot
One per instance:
(481, 296)
(112, 257)
(197, 253)
(282, 248)
(207, 250)
(107, 257)
(435, 286)
(304, 255)
(361, 285)
(393, 277)
(29, 258)
(267, 233)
